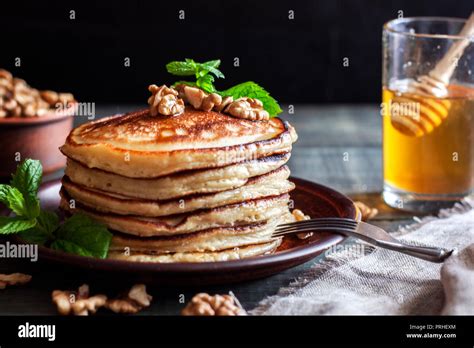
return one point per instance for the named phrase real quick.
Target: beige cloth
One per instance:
(457, 276)
(361, 279)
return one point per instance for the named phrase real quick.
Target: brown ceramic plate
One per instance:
(314, 199)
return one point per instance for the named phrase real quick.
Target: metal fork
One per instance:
(371, 234)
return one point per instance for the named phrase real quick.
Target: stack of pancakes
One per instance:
(200, 186)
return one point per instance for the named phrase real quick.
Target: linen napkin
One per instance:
(457, 276)
(361, 279)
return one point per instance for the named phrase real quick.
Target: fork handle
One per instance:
(425, 253)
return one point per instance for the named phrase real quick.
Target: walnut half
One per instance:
(13, 279)
(135, 300)
(366, 212)
(218, 305)
(248, 108)
(77, 303)
(300, 216)
(164, 101)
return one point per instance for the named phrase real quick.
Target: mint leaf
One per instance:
(253, 90)
(212, 66)
(206, 83)
(13, 199)
(186, 68)
(189, 68)
(83, 236)
(27, 179)
(212, 63)
(15, 224)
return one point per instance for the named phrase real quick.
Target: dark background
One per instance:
(298, 60)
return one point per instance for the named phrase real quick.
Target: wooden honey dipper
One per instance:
(429, 90)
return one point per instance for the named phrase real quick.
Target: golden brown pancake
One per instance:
(214, 239)
(223, 255)
(176, 185)
(271, 184)
(139, 145)
(244, 213)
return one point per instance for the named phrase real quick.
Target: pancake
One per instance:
(223, 255)
(138, 145)
(210, 240)
(247, 212)
(271, 184)
(177, 185)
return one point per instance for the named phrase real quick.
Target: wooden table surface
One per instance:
(327, 136)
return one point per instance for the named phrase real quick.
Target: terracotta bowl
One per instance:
(33, 137)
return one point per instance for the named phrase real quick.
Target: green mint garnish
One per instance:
(191, 68)
(83, 236)
(78, 235)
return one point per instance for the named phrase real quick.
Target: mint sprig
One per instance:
(78, 234)
(191, 68)
(203, 72)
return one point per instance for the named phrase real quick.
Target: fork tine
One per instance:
(300, 224)
(306, 227)
(320, 220)
(312, 229)
(299, 228)
(325, 222)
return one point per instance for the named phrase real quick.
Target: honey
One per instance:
(428, 142)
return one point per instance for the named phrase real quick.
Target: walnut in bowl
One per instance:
(33, 124)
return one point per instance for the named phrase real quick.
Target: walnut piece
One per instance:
(248, 108)
(164, 101)
(14, 278)
(210, 101)
(199, 99)
(50, 97)
(77, 303)
(225, 102)
(366, 212)
(139, 295)
(135, 300)
(18, 99)
(218, 305)
(4, 74)
(193, 96)
(300, 216)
